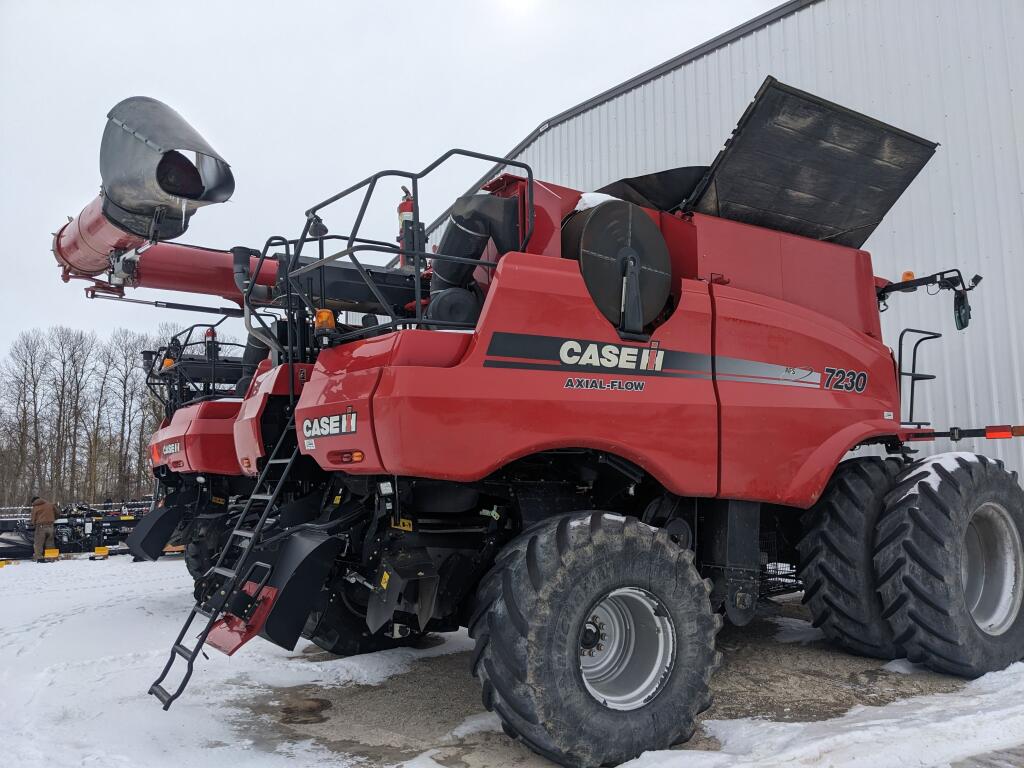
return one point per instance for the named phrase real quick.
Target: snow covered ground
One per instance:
(81, 641)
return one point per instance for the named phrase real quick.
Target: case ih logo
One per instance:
(538, 353)
(612, 356)
(169, 448)
(339, 424)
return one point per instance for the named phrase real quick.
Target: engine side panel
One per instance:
(798, 390)
(545, 370)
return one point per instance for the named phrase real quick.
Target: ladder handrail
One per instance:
(232, 576)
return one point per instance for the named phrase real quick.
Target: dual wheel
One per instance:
(923, 560)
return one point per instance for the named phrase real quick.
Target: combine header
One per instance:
(582, 426)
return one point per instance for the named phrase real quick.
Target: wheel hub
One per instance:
(992, 568)
(627, 648)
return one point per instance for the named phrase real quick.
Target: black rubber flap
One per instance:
(662, 191)
(601, 239)
(799, 164)
(151, 534)
(300, 568)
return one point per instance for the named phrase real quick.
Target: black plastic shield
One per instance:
(151, 534)
(662, 191)
(299, 571)
(799, 164)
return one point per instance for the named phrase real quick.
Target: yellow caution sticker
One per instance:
(403, 524)
(217, 499)
(337, 499)
(127, 517)
(384, 579)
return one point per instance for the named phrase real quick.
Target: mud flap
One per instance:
(730, 546)
(149, 537)
(299, 572)
(278, 606)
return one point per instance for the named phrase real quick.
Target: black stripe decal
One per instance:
(594, 371)
(534, 347)
(545, 351)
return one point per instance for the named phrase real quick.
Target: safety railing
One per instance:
(292, 295)
(172, 385)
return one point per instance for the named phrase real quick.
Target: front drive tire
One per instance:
(949, 562)
(595, 639)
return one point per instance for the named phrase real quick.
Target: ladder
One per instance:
(241, 542)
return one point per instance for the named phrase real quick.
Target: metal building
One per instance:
(945, 70)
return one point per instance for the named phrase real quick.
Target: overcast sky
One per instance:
(301, 98)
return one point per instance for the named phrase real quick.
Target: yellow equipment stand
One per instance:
(100, 553)
(51, 555)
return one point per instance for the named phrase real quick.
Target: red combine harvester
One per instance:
(200, 384)
(588, 426)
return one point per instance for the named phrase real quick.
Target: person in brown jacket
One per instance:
(43, 515)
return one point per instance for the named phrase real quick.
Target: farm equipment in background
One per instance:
(589, 427)
(78, 528)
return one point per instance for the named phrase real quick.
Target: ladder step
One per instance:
(262, 496)
(919, 376)
(243, 533)
(279, 461)
(186, 653)
(158, 690)
(226, 572)
(202, 610)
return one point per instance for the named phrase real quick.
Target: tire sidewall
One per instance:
(986, 651)
(625, 560)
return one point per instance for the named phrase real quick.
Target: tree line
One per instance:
(76, 416)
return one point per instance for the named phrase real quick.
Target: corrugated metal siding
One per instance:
(952, 72)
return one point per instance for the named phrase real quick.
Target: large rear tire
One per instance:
(595, 639)
(950, 564)
(836, 557)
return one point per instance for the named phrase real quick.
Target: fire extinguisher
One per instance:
(210, 337)
(405, 233)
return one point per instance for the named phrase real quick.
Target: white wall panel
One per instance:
(950, 71)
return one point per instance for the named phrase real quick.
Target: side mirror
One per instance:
(961, 310)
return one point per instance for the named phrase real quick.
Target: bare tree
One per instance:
(75, 416)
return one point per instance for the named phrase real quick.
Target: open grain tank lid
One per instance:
(799, 164)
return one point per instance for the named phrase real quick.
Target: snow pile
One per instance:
(948, 461)
(592, 200)
(81, 642)
(925, 731)
(483, 723)
(904, 667)
(796, 631)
